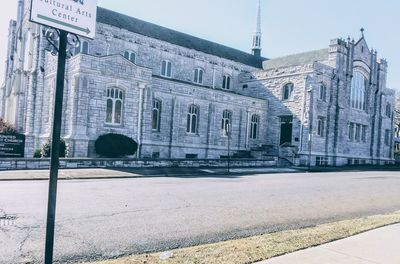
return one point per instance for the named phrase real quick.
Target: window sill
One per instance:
(192, 134)
(113, 125)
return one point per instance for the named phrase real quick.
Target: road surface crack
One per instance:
(24, 256)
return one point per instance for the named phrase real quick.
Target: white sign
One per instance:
(74, 16)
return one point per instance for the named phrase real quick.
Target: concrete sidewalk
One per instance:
(82, 174)
(378, 246)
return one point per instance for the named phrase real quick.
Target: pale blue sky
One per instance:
(289, 26)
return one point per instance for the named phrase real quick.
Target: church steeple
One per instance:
(257, 35)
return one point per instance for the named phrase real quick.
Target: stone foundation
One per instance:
(25, 164)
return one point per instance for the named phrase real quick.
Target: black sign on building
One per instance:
(12, 145)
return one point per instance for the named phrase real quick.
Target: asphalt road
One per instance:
(105, 218)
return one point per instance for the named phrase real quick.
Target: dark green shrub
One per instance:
(115, 146)
(37, 153)
(46, 149)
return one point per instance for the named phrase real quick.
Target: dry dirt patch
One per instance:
(253, 249)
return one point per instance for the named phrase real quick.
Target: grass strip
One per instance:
(257, 248)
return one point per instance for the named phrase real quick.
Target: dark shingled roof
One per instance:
(297, 59)
(135, 25)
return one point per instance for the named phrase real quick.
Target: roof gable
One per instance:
(362, 43)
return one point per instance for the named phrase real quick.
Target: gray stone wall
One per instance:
(89, 76)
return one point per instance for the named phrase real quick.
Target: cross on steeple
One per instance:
(362, 32)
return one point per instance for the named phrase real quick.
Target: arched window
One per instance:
(226, 126)
(131, 56)
(254, 125)
(321, 126)
(389, 110)
(166, 69)
(115, 98)
(287, 91)
(322, 92)
(193, 119)
(82, 48)
(226, 82)
(198, 76)
(156, 115)
(358, 91)
(85, 47)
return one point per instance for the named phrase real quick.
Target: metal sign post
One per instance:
(77, 17)
(55, 147)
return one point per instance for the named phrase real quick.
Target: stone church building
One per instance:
(179, 96)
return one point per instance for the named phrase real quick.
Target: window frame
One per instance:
(388, 110)
(226, 82)
(321, 126)
(254, 126)
(111, 97)
(157, 106)
(226, 123)
(322, 92)
(168, 68)
(198, 75)
(321, 161)
(358, 91)
(192, 122)
(351, 131)
(81, 47)
(290, 86)
(364, 132)
(387, 137)
(129, 57)
(358, 132)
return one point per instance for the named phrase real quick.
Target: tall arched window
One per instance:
(198, 76)
(226, 122)
(358, 91)
(193, 119)
(254, 125)
(156, 115)
(388, 110)
(115, 98)
(322, 92)
(166, 69)
(129, 55)
(82, 48)
(287, 91)
(226, 82)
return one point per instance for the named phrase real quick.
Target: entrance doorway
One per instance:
(286, 129)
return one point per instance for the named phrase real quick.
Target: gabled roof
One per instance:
(297, 59)
(135, 25)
